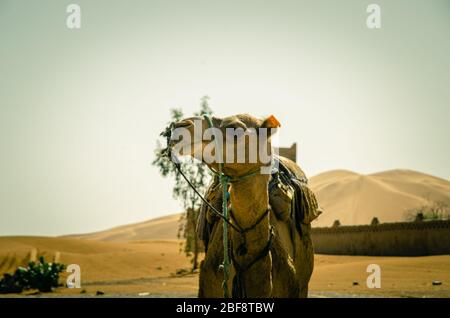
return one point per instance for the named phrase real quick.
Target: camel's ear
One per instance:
(271, 122)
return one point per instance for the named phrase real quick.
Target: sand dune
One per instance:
(355, 199)
(350, 197)
(164, 228)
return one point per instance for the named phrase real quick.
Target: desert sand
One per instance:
(148, 269)
(143, 259)
(163, 228)
(356, 199)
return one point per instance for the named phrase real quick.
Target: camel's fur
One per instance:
(285, 271)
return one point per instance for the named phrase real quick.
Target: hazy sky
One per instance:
(80, 110)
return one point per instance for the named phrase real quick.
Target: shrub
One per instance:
(432, 211)
(42, 276)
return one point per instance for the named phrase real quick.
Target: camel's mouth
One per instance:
(179, 145)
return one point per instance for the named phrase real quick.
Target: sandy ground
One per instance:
(147, 269)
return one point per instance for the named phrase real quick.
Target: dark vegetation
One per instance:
(42, 276)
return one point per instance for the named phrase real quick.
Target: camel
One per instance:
(275, 257)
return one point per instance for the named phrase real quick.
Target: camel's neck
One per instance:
(249, 202)
(249, 199)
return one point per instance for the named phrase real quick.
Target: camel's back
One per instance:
(293, 167)
(293, 189)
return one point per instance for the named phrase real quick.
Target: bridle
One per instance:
(225, 180)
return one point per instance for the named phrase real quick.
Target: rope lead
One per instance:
(226, 260)
(224, 180)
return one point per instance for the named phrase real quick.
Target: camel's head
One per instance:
(241, 142)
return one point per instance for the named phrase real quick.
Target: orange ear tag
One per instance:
(273, 122)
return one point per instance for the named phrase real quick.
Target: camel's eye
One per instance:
(234, 129)
(234, 125)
